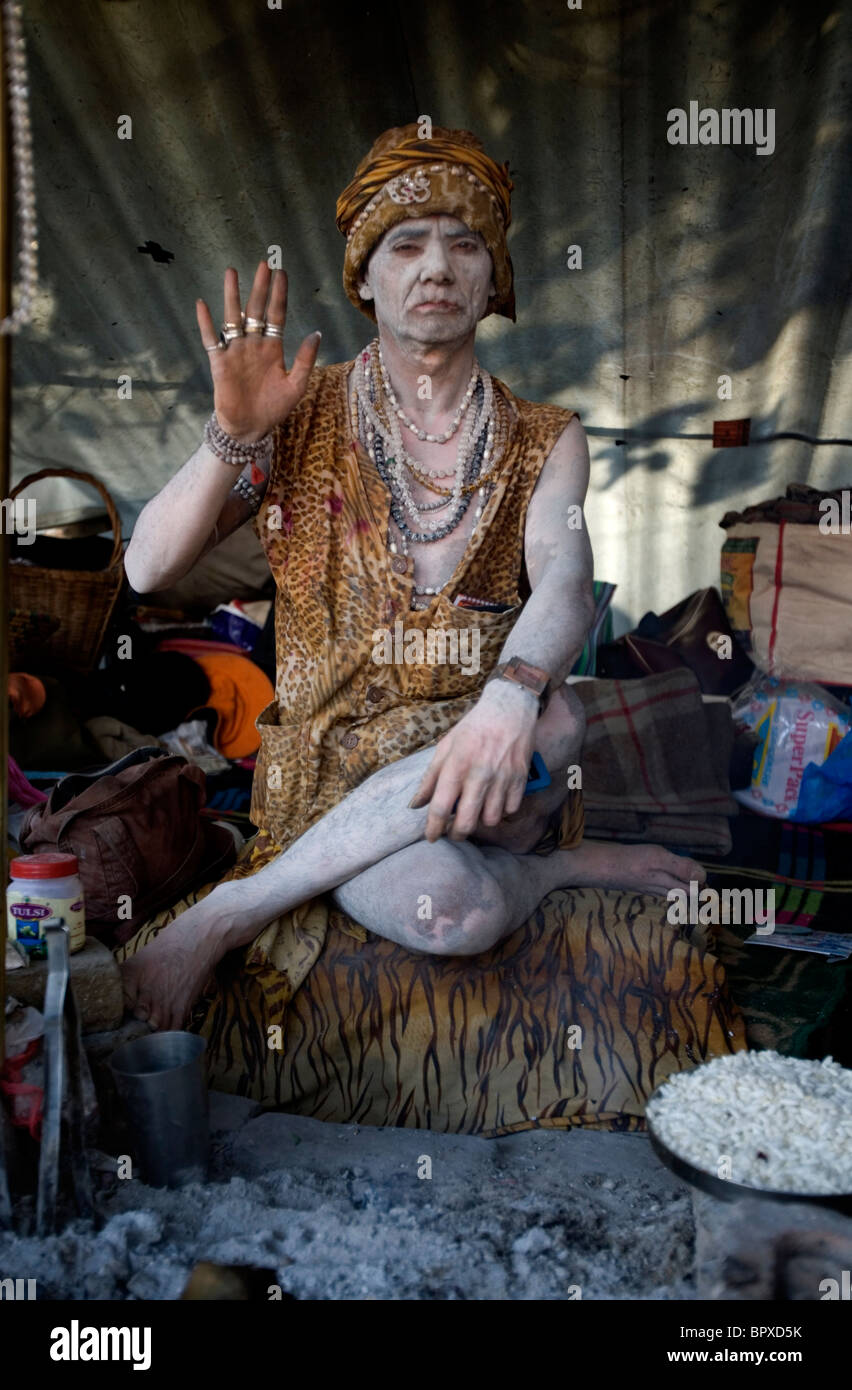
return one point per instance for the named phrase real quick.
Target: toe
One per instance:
(679, 867)
(145, 1006)
(667, 883)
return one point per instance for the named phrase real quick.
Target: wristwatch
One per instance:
(522, 673)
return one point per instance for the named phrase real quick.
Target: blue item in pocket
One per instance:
(541, 779)
(538, 779)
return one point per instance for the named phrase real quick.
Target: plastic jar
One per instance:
(45, 885)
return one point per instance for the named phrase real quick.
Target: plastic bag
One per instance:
(800, 726)
(22, 1074)
(234, 623)
(826, 792)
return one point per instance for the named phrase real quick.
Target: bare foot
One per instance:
(638, 868)
(163, 981)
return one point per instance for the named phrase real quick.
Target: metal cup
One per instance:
(162, 1083)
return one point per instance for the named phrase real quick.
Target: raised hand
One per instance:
(252, 389)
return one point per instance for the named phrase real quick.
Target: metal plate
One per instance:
(729, 1191)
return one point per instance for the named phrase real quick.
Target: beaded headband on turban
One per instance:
(404, 176)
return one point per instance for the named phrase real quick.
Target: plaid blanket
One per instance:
(655, 763)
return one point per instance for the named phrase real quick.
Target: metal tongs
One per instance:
(62, 1043)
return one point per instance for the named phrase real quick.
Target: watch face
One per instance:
(531, 676)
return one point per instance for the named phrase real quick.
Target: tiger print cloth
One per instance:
(577, 1016)
(572, 1020)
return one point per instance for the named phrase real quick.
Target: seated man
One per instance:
(411, 507)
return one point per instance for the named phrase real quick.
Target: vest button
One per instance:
(350, 739)
(374, 693)
(399, 564)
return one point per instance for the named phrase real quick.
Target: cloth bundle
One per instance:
(655, 763)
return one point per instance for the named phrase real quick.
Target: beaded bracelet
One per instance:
(249, 493)
(230, 450)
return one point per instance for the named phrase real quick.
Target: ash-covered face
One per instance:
(430, 279)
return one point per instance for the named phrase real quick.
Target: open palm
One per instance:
(252, 389)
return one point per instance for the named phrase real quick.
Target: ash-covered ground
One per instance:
(340, 1212)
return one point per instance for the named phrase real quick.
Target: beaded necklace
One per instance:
(376, 419)
(415, 429)
(376, 422)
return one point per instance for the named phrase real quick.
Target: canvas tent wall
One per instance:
(698, 261)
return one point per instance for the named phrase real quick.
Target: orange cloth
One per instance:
(27, 694)
(239, 690)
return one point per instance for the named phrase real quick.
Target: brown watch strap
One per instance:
(532, 678)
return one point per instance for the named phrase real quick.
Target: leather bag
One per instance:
(137, 832)
(690, 634)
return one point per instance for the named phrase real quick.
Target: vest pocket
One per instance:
(449, 651)
(275, 790)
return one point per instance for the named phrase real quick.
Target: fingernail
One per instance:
(317, 334)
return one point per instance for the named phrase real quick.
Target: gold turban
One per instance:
(404, 176)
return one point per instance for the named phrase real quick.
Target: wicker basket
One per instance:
(81, 600)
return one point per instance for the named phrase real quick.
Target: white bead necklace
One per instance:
(370, 424)
(422, 434)
(399, 459)
(465, 449)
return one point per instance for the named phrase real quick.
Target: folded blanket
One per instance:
(655, 762)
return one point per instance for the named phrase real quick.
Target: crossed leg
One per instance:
(370, 850)
(461, 898)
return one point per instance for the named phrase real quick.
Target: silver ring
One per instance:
(274, 330)
(249, 322)
(257, 328)
(228, 334)
(217, 347)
